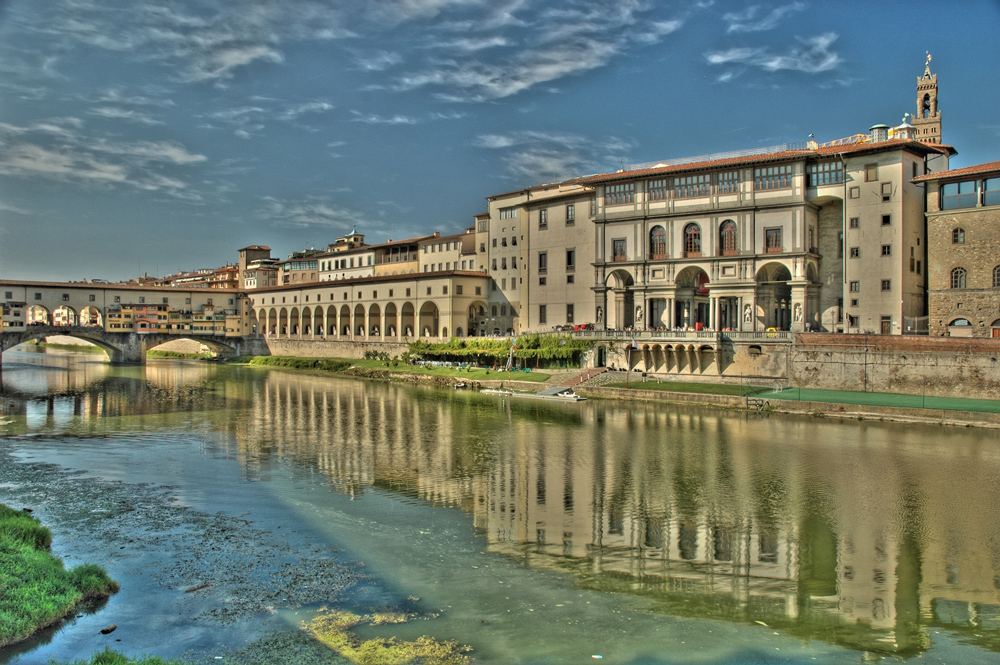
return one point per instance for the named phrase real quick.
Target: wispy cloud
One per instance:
(248, 121)
(61, 151)
(373, 119)
(378, 62)
(811, 56)
(547, 157)
(117, 113)
(757, 18)
(7, 207)
(311, 212)
(515, 54)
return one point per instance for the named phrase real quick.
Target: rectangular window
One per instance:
(956, 195)
(691, 186)
(93, 298)
(991, 192)
(117, 298)
(886, 250)
(542, 281)
(444, 289)
(886, 191)
(570, 259)
(570, 214)
(826, 173)
(855, 252)
(773, 177)
(772, 241)
(543, 261)
(543, 221)
(855, 287)
(458, 290)
(494, 264)
(570, 279)
(593, 206)
(479, 290)
(618, 194)
(482, 227)
(569, 313)
(428, 290)
(657, 189)
(618, 250)
(542, 314)
(854, 192)
(855, 222)
(871, 172)
(407, 293)
(886, 220)
(508, 213)
(10, 295)
(886, 284)
(503, 263)
(729, 182)
(854, 302)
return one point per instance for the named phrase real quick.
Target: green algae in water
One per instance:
(334, 629)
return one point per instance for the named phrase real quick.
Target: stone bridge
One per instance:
(121, 347)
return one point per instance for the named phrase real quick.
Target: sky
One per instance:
(152, 137)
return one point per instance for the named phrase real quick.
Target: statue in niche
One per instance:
(638, 313)
(747, 313)
(600, 314)
(797, 311)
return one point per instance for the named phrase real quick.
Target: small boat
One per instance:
(459, 385)
(565, 396)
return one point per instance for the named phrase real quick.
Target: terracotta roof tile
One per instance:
(988, 167)
(771, 157)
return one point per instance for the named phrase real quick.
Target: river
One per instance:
(232, 503)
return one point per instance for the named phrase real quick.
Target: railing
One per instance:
(666, 335)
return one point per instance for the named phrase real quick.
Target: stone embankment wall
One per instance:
(948, 367)
(331, 348)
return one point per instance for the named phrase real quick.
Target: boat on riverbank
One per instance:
(564, 394)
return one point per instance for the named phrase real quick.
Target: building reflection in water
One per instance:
(843, 532)
(866, 535)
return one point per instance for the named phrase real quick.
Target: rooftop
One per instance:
(977, 169)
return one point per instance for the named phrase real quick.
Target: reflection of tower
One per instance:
(928, 119)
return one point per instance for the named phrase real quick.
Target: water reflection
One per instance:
(866, 535)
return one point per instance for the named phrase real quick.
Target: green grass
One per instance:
(158, 353)
(37, 590)
(699, 388)
(342, 365)
(109, 657)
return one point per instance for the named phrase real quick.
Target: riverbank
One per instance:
(38, 590)
(599, 384)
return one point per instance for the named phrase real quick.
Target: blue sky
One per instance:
(152, 137)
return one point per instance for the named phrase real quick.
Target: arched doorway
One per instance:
(619, 301)
(428, 320)
(774, 296)
(692, 305)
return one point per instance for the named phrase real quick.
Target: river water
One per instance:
(531, 531)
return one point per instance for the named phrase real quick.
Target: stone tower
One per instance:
(928, 119)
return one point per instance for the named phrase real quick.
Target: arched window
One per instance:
(996, 277)
(958, 236)
(926, 106)
(727, 238)
(692, 240)
(657, 243)
(494, 310)
(958, 278)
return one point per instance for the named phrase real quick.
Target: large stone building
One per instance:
(963, 251)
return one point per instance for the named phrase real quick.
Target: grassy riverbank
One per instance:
(697, 388)
(374, 368)
(178, 355)
(37, 590)
(109, 657)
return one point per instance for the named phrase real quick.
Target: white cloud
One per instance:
(311, 212)
(7, 207)
(811, 57)
(117, 113)
(378, 62)
(753, 18)
(547, 156)
(373, 119)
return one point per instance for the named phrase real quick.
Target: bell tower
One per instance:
(928, 119)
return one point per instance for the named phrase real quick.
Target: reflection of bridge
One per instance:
(121, 347)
